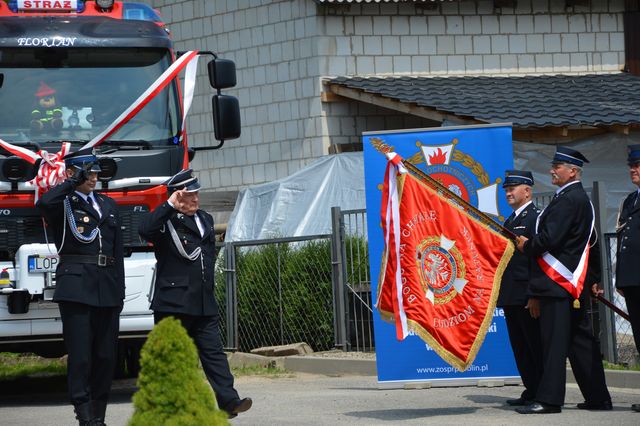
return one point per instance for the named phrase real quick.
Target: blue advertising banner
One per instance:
(470, 161)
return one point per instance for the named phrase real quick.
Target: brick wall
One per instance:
(467, 37)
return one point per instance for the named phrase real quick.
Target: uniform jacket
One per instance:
(628, 257)
(90, 284)
(563, 230)
(515, 280)
(182, 286)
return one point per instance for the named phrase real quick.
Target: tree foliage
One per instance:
(172, 389)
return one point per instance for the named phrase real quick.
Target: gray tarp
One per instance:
(301, 203)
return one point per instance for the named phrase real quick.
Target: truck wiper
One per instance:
(137, 144)
(72, 141)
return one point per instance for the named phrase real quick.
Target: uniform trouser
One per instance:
(524, 335)
(91, 338)
(566, 332)
(632, 300)
(205, 332)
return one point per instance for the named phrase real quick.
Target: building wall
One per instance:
(283, 49)
(468, 37)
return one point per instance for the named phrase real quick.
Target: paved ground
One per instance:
(306, 399)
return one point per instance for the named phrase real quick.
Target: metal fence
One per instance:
(622, 336)
(308, 289)
(275, 292)
(351, 274)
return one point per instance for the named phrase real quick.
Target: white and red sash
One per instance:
(572, 282)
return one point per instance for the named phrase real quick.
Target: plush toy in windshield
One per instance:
(46, 115)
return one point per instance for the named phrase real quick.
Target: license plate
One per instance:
(39, 263)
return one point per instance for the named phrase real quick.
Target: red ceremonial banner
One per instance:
(441, 268)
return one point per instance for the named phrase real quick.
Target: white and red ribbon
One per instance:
(149, 94)
(51, 170)
(391, 223)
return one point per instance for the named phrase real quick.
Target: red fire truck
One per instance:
(92, 61)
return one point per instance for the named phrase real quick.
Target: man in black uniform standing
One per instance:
(184, 244)
(628, 256)
(89, 282)
(524, 330)
(559, 290)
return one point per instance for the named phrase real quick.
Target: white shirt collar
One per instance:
(566, 185)
(522, 207)
(85, 196)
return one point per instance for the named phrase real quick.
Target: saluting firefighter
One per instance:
(524, 330)
(628, 256)
(184, 244)
(89, 282)
(559, 248)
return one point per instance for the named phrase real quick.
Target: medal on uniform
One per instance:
(576, 304)
(81, 229)
(85, 219)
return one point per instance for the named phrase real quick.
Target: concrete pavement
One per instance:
(300, 398)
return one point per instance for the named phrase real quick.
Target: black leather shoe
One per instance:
(520, 402)
(539, 408)
(238, 406)
(636, 408)
(596, 406)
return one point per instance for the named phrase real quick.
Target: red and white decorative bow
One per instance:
(51, 170)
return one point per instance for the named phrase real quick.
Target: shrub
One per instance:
(172, 389)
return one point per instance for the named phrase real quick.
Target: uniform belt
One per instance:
(100, 259)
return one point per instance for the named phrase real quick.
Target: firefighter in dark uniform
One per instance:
(564, 232)
(628, 256)
(184, 244)
(523, 329)
(89, 282)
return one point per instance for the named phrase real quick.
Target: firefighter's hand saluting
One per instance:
(80, 175)
(183, 202)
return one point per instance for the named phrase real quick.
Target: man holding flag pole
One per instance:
(560, 248)
(523, 329)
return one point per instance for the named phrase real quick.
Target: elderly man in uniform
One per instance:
(560, 248)
(628, 256)
(524, 330)
(89, 282)
(184, 244)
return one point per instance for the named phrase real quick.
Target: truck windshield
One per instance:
(74, 94)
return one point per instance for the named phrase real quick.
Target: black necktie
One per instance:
(510, 219)
(94, 204)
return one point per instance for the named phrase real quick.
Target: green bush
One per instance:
(172, 389)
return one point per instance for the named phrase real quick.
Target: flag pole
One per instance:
(481, 216)
(613, 307)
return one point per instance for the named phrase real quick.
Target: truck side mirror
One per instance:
(222, 73)
(226, 117)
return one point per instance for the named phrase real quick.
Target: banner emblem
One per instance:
(441, 269)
